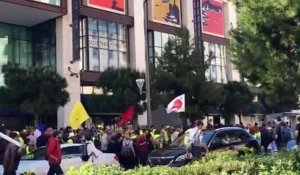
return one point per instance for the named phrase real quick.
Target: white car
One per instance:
(35, 162)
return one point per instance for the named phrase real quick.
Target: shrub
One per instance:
(215, 163)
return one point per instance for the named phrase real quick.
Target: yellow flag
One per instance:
(78, 115)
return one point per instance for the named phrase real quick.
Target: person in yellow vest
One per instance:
(70, 138)
(28, 148)
(164, 136)
(152, 130)
(21, 140)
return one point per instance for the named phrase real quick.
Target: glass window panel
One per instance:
(113, 59)
(23, 53)
(219, 74)
(165, 38)
(224, 54)
(213, 73)
(157, 39)
(93, 41)
(94, 59)
(4, 30)
(207, 74)
(53, 57)
(113, 44)
(112, 30)
(103, 59)
(224, 75)
(103, 43)
(150, 52)
(122, 32)
(158, 51)
(23, 33)
(218, 61)
(150, 39)
(213, 61)
(123, 59)
(122, 46)
(92, 24)
(206, 48)
(93, 32)
(218, 50)
(45, 58)
(17, 51)
(103, 34)
(102, 25)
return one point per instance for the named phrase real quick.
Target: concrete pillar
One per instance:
(188, 16)
(63, 57)
(137, 35)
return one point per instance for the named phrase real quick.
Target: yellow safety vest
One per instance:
(133, 136)
(186, 138)
(156, 136)
(70, 141)
(165, 136)
(27, 150)
(153, 133)
(21, 140)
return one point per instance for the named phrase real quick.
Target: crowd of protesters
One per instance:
(131, 146)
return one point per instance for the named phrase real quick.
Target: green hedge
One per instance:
(216, 163)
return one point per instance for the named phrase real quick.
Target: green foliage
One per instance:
(215, 163)
(236, 96)
(181, 70)
(36, 90)
(265, 48)
(120, 89)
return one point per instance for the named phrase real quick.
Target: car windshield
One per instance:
(179, 142)
(35, 155)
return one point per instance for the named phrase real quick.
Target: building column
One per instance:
(64, 56)
(137, 35)
(188, 16)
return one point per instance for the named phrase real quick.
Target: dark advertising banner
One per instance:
(76, 29)
(110, 5)
(212, 17)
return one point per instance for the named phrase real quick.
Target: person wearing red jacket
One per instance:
(54, 154)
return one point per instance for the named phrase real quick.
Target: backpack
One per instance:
(126, 149)
(84, 156)
(285, 133)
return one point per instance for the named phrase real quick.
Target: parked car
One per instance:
(228, 138)
(35, 162)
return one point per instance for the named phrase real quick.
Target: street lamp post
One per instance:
(147, 73)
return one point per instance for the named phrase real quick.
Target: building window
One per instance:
(44, 45)
(91, 90)
(28, 46)
(157, 42)
(107, 45)
(217, 71)
(52, 2)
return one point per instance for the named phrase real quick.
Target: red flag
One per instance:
(126, 116)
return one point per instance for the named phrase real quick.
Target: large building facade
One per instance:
(81, 38)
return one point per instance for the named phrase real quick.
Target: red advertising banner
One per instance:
(111, 5)
(212, 17)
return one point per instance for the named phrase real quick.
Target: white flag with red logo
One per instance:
(177, 105)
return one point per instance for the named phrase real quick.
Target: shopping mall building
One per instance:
(79, 39)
